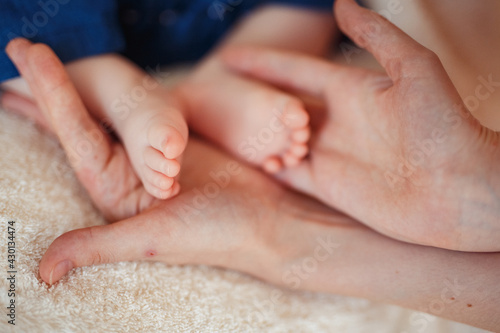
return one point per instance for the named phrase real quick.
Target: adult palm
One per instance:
(397, 150)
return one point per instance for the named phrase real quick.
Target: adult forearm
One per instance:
(353, 260)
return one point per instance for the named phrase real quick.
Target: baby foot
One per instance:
(258, 123)
(155, 140)
(294, 129)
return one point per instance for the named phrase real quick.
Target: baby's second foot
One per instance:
(155, 139)
(262, 125)
(290, 126)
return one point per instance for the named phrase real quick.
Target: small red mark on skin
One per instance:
(453, 298)
(469, 305)
(150, 253)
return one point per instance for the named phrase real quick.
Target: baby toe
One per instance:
(294, 115)
(299, 150)
(157, 184)
(272, 165)
(176, 188)
(157, 161)
(171, 192)
(290, 160)
(155, 191)
(167, 139)
(174, 145)
(301, 135)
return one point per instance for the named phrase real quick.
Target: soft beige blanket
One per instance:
(40, 193)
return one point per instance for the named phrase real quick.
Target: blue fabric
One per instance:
(74, 29)
(150, 32)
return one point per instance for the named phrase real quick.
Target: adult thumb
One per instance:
(399, 54)
(127, 240)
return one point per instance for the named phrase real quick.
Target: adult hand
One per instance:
(397, 151)
(101, 165)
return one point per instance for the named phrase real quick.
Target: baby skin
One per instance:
(258, 124)
(149, 120)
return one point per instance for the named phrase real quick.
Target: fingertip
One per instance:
(343, 7)
(17, 52)
(385, 41)
(93, 246)
(17, 45)
(44, 272)
(340, 3)
(59, 270)
(354, 21)
(55, 263)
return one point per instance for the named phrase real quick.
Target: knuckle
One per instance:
(425, 57)
(97, 254)
(430, 57)
(101, 256)
(96, 258)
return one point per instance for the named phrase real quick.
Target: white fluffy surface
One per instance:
(40, 193)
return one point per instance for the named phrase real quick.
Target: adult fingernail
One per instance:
(60, 269)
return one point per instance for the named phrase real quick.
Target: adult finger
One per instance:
(17, 50)
(398, 53)
(20, 105)
(131, 239)
(159, 234)
(85, 144)
(298, 72)
(173, 231)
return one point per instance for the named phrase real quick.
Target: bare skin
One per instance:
(403, 138)
(149, 120)
(253, 225)
(465, 35)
